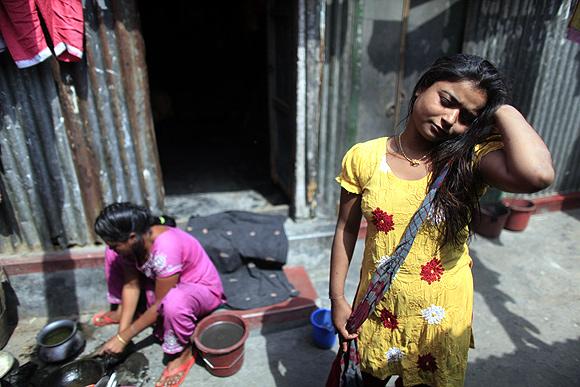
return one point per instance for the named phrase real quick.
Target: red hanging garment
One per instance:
(21, 29)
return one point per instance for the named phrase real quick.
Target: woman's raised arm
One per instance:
(525, 163)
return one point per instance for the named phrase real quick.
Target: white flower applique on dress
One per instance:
(433, 314)
(384, 259)
(157, 265)
(170, 343)
(394, 354)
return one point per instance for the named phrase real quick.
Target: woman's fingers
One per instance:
(344, 340)
(112, 347)
(341, 311)
(344, 346)
(345, 337)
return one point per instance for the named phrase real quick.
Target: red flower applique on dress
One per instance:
(389, 319)
(383, 221)
(427, 363)
(432, 271)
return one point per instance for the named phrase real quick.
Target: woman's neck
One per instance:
(148, 239)
(153, 233)
(413, 144)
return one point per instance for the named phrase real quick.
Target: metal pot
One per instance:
(59, 340)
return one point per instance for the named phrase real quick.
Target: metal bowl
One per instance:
(59, 340)
(79, 373)
(6, 362)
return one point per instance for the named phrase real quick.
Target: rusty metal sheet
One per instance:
(76, 136)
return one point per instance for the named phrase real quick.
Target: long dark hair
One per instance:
(117, 221)
(458, 197)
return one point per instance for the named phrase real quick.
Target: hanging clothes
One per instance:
(574, 26)
(22, 31)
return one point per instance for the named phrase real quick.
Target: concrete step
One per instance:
(309, 241)
(182, 207)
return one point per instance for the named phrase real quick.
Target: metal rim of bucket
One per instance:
(232, 365)
(220, 317)
(520, 205)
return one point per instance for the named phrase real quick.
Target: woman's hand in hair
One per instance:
(524, 164)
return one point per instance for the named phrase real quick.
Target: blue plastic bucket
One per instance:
(323, 332)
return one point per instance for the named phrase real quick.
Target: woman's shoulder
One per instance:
(172, 236)
(492, 143)
(359, 164)
(378, 143)
(366, 150)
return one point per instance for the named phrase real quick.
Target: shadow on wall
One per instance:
(60, 289)
(8, 223)
(441, 33)
(8, 309)
(433, 30)
(382, 48)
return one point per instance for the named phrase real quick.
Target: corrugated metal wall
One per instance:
(526, 39)
(362, 66)
(74, 137)
(339, 83)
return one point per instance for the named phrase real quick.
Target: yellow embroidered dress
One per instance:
(421, 329)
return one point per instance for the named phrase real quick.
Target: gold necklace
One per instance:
(413, 162)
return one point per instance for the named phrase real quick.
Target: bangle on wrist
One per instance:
(122, 340)
(330, 297)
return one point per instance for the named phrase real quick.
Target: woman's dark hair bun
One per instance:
(117, 221)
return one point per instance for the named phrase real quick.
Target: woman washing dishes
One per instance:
(459, 122)
(180, 282)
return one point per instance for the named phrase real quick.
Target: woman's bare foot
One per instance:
(176, 369)
(106, 318)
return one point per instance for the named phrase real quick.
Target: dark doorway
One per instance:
(208, 77)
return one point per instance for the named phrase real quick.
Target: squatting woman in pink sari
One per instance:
(180, 281)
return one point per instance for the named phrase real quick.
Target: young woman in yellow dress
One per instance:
(458, 117)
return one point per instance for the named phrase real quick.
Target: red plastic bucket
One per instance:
(520, 213)
(220, 339)
(491, 220)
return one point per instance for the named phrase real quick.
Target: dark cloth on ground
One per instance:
(249, 251)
